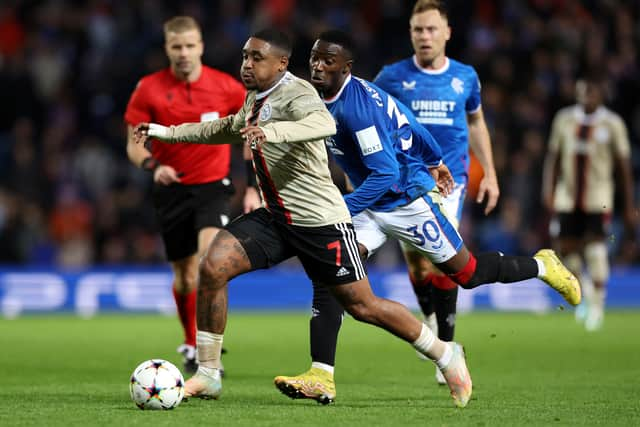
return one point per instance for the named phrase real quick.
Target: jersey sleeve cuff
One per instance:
(158, 131)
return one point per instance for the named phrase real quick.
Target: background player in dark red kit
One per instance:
(191, 185)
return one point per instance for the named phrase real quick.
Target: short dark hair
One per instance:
(340, 38)
(276, 38)
(594, 75)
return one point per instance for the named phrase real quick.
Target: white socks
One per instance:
(443, 362)
(426, 343)
(209, 347)
(542, 271)
(432, 347)
(432, 323)
(209, 372)
(598, 297)
(323, 366)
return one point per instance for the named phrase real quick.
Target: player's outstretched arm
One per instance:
(221, 131)
(140, 156)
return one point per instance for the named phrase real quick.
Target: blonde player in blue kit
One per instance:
(444, 95)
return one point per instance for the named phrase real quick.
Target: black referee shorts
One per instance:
(329, 254)
(184, 210)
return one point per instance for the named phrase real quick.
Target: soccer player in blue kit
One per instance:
(444, 95)
(394, 165)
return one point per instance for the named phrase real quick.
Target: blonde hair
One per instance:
(180, 24)
(426, 5)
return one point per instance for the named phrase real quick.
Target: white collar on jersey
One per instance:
(440, 70)
(335, 97)
(261, 95)
(582, 117)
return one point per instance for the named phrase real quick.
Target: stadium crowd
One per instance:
(69, 196)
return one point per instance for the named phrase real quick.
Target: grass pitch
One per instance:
(527, 370)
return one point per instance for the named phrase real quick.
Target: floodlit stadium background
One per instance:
(77, 229)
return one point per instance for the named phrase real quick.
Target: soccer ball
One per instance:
(156, 384)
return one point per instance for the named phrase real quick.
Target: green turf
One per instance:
(527, 370)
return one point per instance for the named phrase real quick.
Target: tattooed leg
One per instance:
(224, 260)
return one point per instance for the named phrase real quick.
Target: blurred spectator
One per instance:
(503, 234)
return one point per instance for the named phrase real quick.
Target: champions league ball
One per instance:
(156, 384)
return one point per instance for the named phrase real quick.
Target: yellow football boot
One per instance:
(316, 384)
(559, 277)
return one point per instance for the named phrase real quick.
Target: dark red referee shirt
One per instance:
(162, 98)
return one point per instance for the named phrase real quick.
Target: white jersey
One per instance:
(587, 145)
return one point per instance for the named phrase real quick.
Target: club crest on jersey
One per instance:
(408, 85)
(457, 85)
(265, 112)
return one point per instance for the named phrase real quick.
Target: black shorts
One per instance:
(329, 254)
(184, 210)
(580, 225)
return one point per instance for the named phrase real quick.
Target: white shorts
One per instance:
(421, 226)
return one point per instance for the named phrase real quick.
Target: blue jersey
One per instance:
(381, 147)
(440, 100)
